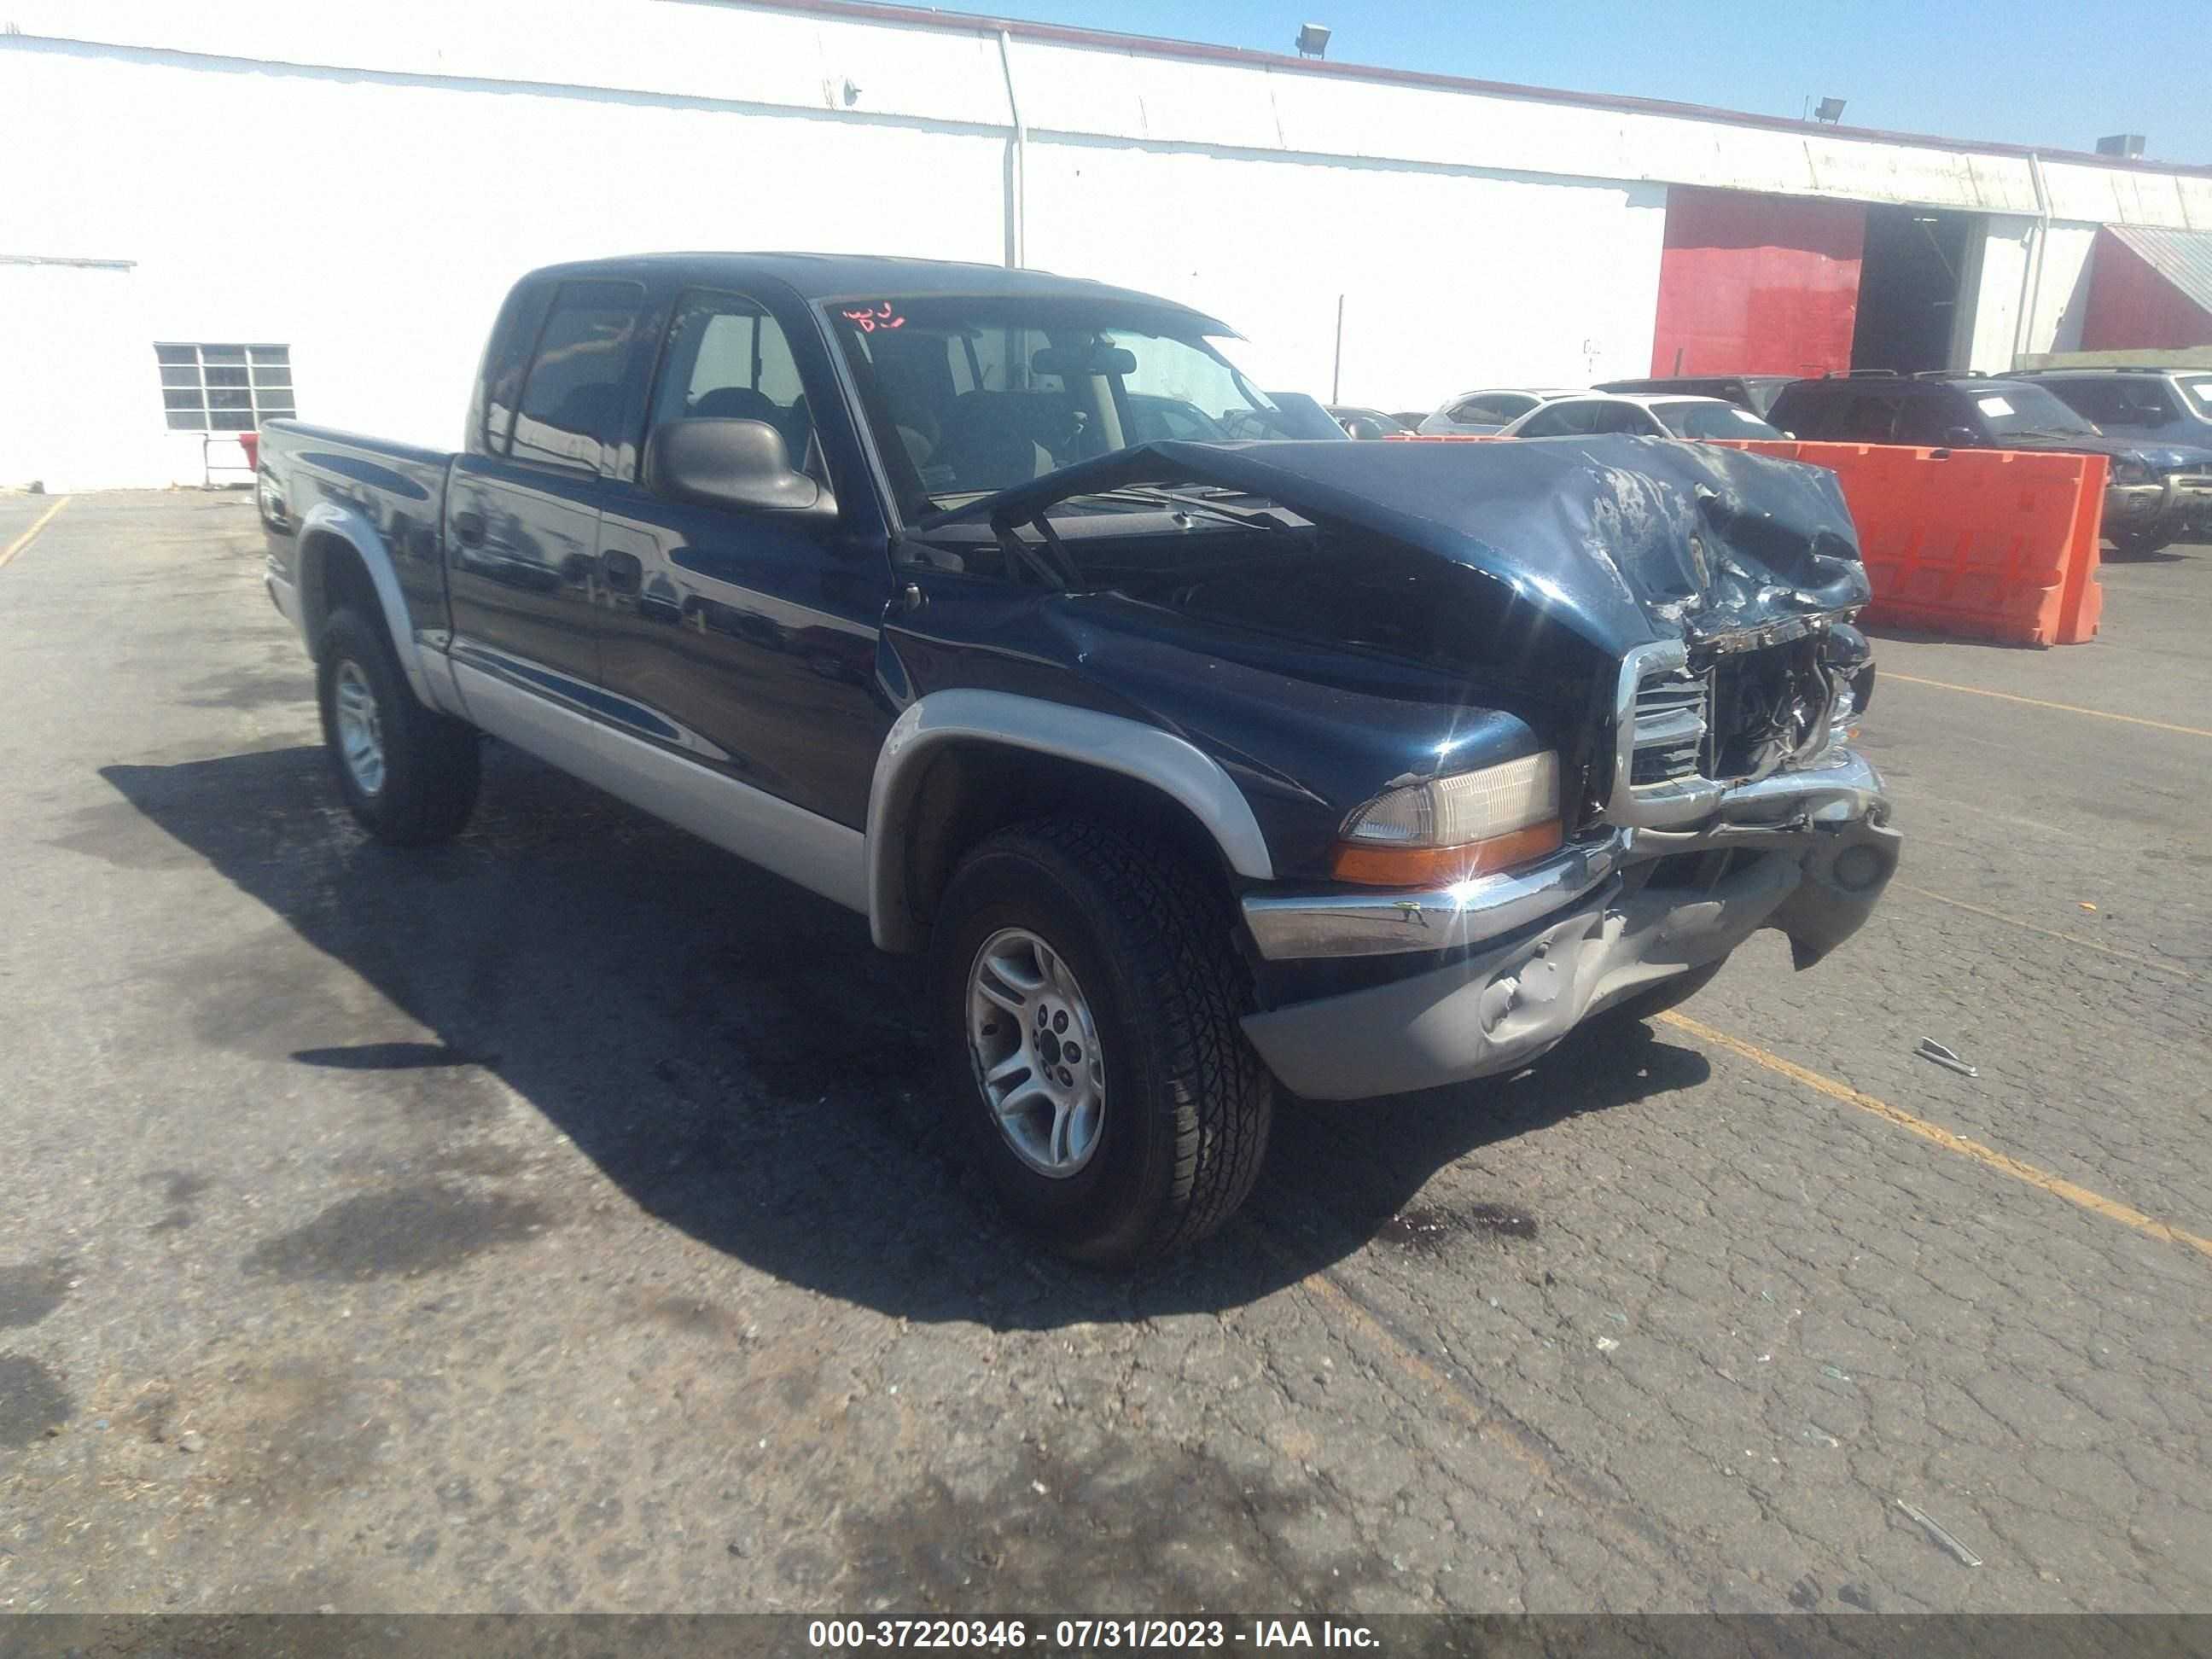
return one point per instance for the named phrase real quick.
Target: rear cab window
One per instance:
(507, 357)
(575, 398)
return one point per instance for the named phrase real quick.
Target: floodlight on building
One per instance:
(1830, 110)
(2126, 145)
(1313, 40)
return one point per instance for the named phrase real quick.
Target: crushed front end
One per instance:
(1683, 860)
(1723, 797)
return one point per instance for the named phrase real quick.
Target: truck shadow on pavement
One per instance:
(734, 1054)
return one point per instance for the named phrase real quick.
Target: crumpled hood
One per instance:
(1624, 540)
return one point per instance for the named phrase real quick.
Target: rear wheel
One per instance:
(1088, 1000)
(409, 774)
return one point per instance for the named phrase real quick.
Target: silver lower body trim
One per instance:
(819, 853)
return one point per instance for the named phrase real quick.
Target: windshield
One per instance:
(1688, 420)
(968, 395)
(2016, 407)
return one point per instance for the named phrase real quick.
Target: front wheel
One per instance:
(409, 774)
(1088, 997)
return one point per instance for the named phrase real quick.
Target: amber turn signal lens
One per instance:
(1440, 867)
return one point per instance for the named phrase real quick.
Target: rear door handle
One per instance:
(469, 529)
(624, 572)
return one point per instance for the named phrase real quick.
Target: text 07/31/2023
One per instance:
(1087, 1634)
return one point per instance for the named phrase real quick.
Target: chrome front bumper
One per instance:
(2180, 502)
(1542, 949)
(1348, 922)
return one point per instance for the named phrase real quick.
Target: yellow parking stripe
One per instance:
(32, 534)
(2037, 703)
(2003, 1162)
(2049, 932)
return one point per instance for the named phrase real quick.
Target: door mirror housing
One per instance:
(741, 466)
(1960, 437)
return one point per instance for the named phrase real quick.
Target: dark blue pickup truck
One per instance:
(1200, 759)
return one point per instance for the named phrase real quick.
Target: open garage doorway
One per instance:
(1913, 278)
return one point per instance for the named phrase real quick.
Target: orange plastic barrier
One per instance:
(1983, 543)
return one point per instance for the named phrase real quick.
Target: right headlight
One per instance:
(1447, 829)
(2126, 470)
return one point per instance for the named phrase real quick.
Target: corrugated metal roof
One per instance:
(2182, 258)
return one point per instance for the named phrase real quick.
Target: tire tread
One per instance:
(1160, 917)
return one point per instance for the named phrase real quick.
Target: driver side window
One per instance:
(728, 359)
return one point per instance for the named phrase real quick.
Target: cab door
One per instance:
(745, 642)
(522, 516)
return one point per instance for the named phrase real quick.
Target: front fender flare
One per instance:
(1173, 765)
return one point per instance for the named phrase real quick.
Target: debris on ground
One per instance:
(1931, 1049)
(1966, 1558)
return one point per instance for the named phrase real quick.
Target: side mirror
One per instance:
(1960, 437)
(742, 465)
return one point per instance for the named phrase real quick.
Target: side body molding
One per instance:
(428, 672)
(1171, 764)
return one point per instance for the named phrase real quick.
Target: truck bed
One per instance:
(313, 477)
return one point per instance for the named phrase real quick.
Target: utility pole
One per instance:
(1336, 373)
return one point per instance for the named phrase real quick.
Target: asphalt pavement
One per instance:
(561, 1219)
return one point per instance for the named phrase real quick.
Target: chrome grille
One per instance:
(1671, 719)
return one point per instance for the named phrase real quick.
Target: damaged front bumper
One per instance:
(1533, 953)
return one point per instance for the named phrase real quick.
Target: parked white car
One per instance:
(1474, 413)
(1583, 413)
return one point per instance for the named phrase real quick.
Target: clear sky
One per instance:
(2018, 71)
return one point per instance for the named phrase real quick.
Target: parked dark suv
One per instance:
(2163, 406)
(2155, 493)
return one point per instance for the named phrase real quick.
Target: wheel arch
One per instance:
(959, 764)
(342, 556)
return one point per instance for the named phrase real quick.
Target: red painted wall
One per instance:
(1751, 284)
(2132, 308)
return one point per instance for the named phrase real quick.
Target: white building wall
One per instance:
(2056, 295)
(362, 183)
(373, 226)
(1450, 280)
(2061, 288)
